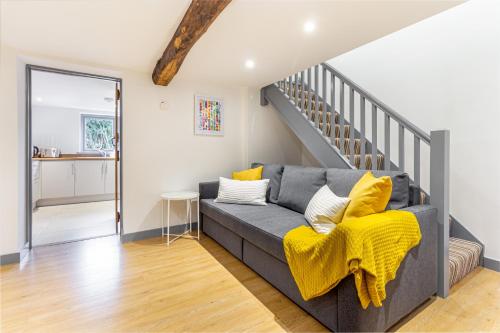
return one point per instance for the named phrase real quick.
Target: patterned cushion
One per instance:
(245, 192)
(325, 210)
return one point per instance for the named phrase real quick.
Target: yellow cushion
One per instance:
(369, 195)
(249, 174)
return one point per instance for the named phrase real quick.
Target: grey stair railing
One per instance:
(320, 88)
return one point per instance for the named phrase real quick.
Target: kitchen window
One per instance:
(97, 132)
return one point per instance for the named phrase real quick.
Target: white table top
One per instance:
(180, 195)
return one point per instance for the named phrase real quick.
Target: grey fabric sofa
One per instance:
(254, 234)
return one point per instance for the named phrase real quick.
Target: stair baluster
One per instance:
(295, 89)
(362, 139)
(302, 99)
(309, 94)
(325, 106)
(374, 137)
(351, 121)
(342, 119)
(332, 115)
(316, 96)
(387, 142)
(416, 160)
(401, 164)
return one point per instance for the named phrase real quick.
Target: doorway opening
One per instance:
(74, 149)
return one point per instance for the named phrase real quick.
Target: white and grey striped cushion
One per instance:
(325, 210)
(245, 192)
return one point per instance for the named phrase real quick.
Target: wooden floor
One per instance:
(101, 285)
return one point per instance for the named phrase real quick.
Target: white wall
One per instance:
(9, 162)
(59, 127)
(444, 72)
(160, 152)
(269, 138)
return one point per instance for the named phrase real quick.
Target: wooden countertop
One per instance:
(74, 158)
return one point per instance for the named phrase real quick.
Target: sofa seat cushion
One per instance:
(264, 226)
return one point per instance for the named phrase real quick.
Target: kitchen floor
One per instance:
(57, 224)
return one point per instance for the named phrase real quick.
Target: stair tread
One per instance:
(464, 257)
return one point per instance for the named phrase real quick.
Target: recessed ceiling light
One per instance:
(309, 26)
(250, 64)
(39, 99)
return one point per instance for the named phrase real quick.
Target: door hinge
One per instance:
(118, 217)
(117, 94)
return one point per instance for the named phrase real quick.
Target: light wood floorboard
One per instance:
(101, 285)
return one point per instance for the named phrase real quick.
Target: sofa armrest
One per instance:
(416, 281)
(427, 220)
(209, 190)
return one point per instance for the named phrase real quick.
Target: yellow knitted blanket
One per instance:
(370, 247)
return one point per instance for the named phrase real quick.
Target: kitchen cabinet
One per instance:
(58, 179)
(89, 177)
(73, 181)
(109, 177)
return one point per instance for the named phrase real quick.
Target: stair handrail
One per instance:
(381, 105)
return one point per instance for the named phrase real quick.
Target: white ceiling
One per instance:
(67, 91)
(132, 34)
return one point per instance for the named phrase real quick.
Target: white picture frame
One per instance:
(208, 115)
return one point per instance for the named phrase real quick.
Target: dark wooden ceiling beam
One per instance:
(198, 17)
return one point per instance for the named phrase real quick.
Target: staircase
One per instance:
(328, 113)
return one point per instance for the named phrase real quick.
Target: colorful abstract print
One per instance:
(209, 116)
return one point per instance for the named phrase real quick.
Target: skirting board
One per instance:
(145, 234)
(491, 264)
(11, 258)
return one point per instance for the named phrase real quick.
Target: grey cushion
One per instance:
(264, 226)
(273, 172)
(341, 181)
(298, 185)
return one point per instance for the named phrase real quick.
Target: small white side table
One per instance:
(189, 197)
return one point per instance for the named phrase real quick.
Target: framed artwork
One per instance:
(208, 116)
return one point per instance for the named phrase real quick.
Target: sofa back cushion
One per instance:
(341, 181)
(273, 172)
(298, 186)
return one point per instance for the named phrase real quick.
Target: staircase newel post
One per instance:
(440, 198)
(263, 100)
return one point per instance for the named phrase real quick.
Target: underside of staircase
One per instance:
(313, 104)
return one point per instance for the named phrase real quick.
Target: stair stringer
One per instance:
(312, 138)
